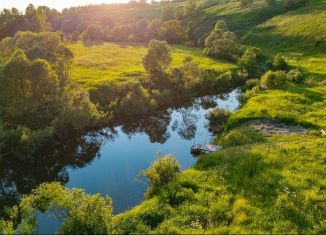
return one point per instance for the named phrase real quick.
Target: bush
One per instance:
(294, 75)
(81, 213)
(279, 63)
(162, 171)
(274, 80)
(252, 61)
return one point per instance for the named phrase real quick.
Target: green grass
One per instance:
(300, 30)
(305, 106)
(275, 186)
(109, 62)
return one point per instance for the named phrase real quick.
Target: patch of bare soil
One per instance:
(270, 127)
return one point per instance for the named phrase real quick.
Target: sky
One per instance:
(58, 4)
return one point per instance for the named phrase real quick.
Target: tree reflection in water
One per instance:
(20, 174)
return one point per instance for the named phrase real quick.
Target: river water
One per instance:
(131, 148)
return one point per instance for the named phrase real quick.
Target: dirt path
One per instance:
(269, 127)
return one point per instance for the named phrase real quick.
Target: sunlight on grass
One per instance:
(120, 62)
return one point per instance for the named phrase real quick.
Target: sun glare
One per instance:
(58, 4)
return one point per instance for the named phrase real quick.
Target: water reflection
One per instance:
(75, 161)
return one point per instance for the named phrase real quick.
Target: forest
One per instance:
(70, 79)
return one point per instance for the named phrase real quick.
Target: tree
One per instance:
(140, 31)
(173, 32)
(93, 33)
(168, 13)
(252, 61)
(120, 33)
(221, 43)
(190, 8)
(158, 57)
(47, 46)
(29, 91)
(153, 29)
(36, 19)
(186, 77)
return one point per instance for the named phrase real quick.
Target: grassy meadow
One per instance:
(111, 62)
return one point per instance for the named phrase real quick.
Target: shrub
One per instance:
(279, 63)
(274, 80)
(162, 171)
(81, 213)
(294, 75)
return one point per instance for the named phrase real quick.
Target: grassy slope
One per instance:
(277, 184)
(123, 62)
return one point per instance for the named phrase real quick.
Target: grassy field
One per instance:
(120, 62)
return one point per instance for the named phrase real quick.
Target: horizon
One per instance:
(59, 4)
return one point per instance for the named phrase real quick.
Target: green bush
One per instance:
(274, 80)
(279, 63)
(162, 171)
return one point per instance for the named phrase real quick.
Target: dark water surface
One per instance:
(133, 148)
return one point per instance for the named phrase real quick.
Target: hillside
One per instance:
(269, 176)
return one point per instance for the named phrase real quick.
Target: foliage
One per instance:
(190, 8)
(93, 33)
(253, 62)
(221, 43)
(81, 213)
(158, 58)
(47, 46)
(274, 80)
(279, 63)
(168, 13)
(162, 171)
(173, 32)
(187, 77)
(29, 91)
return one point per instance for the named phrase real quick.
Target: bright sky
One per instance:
(58, 4)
